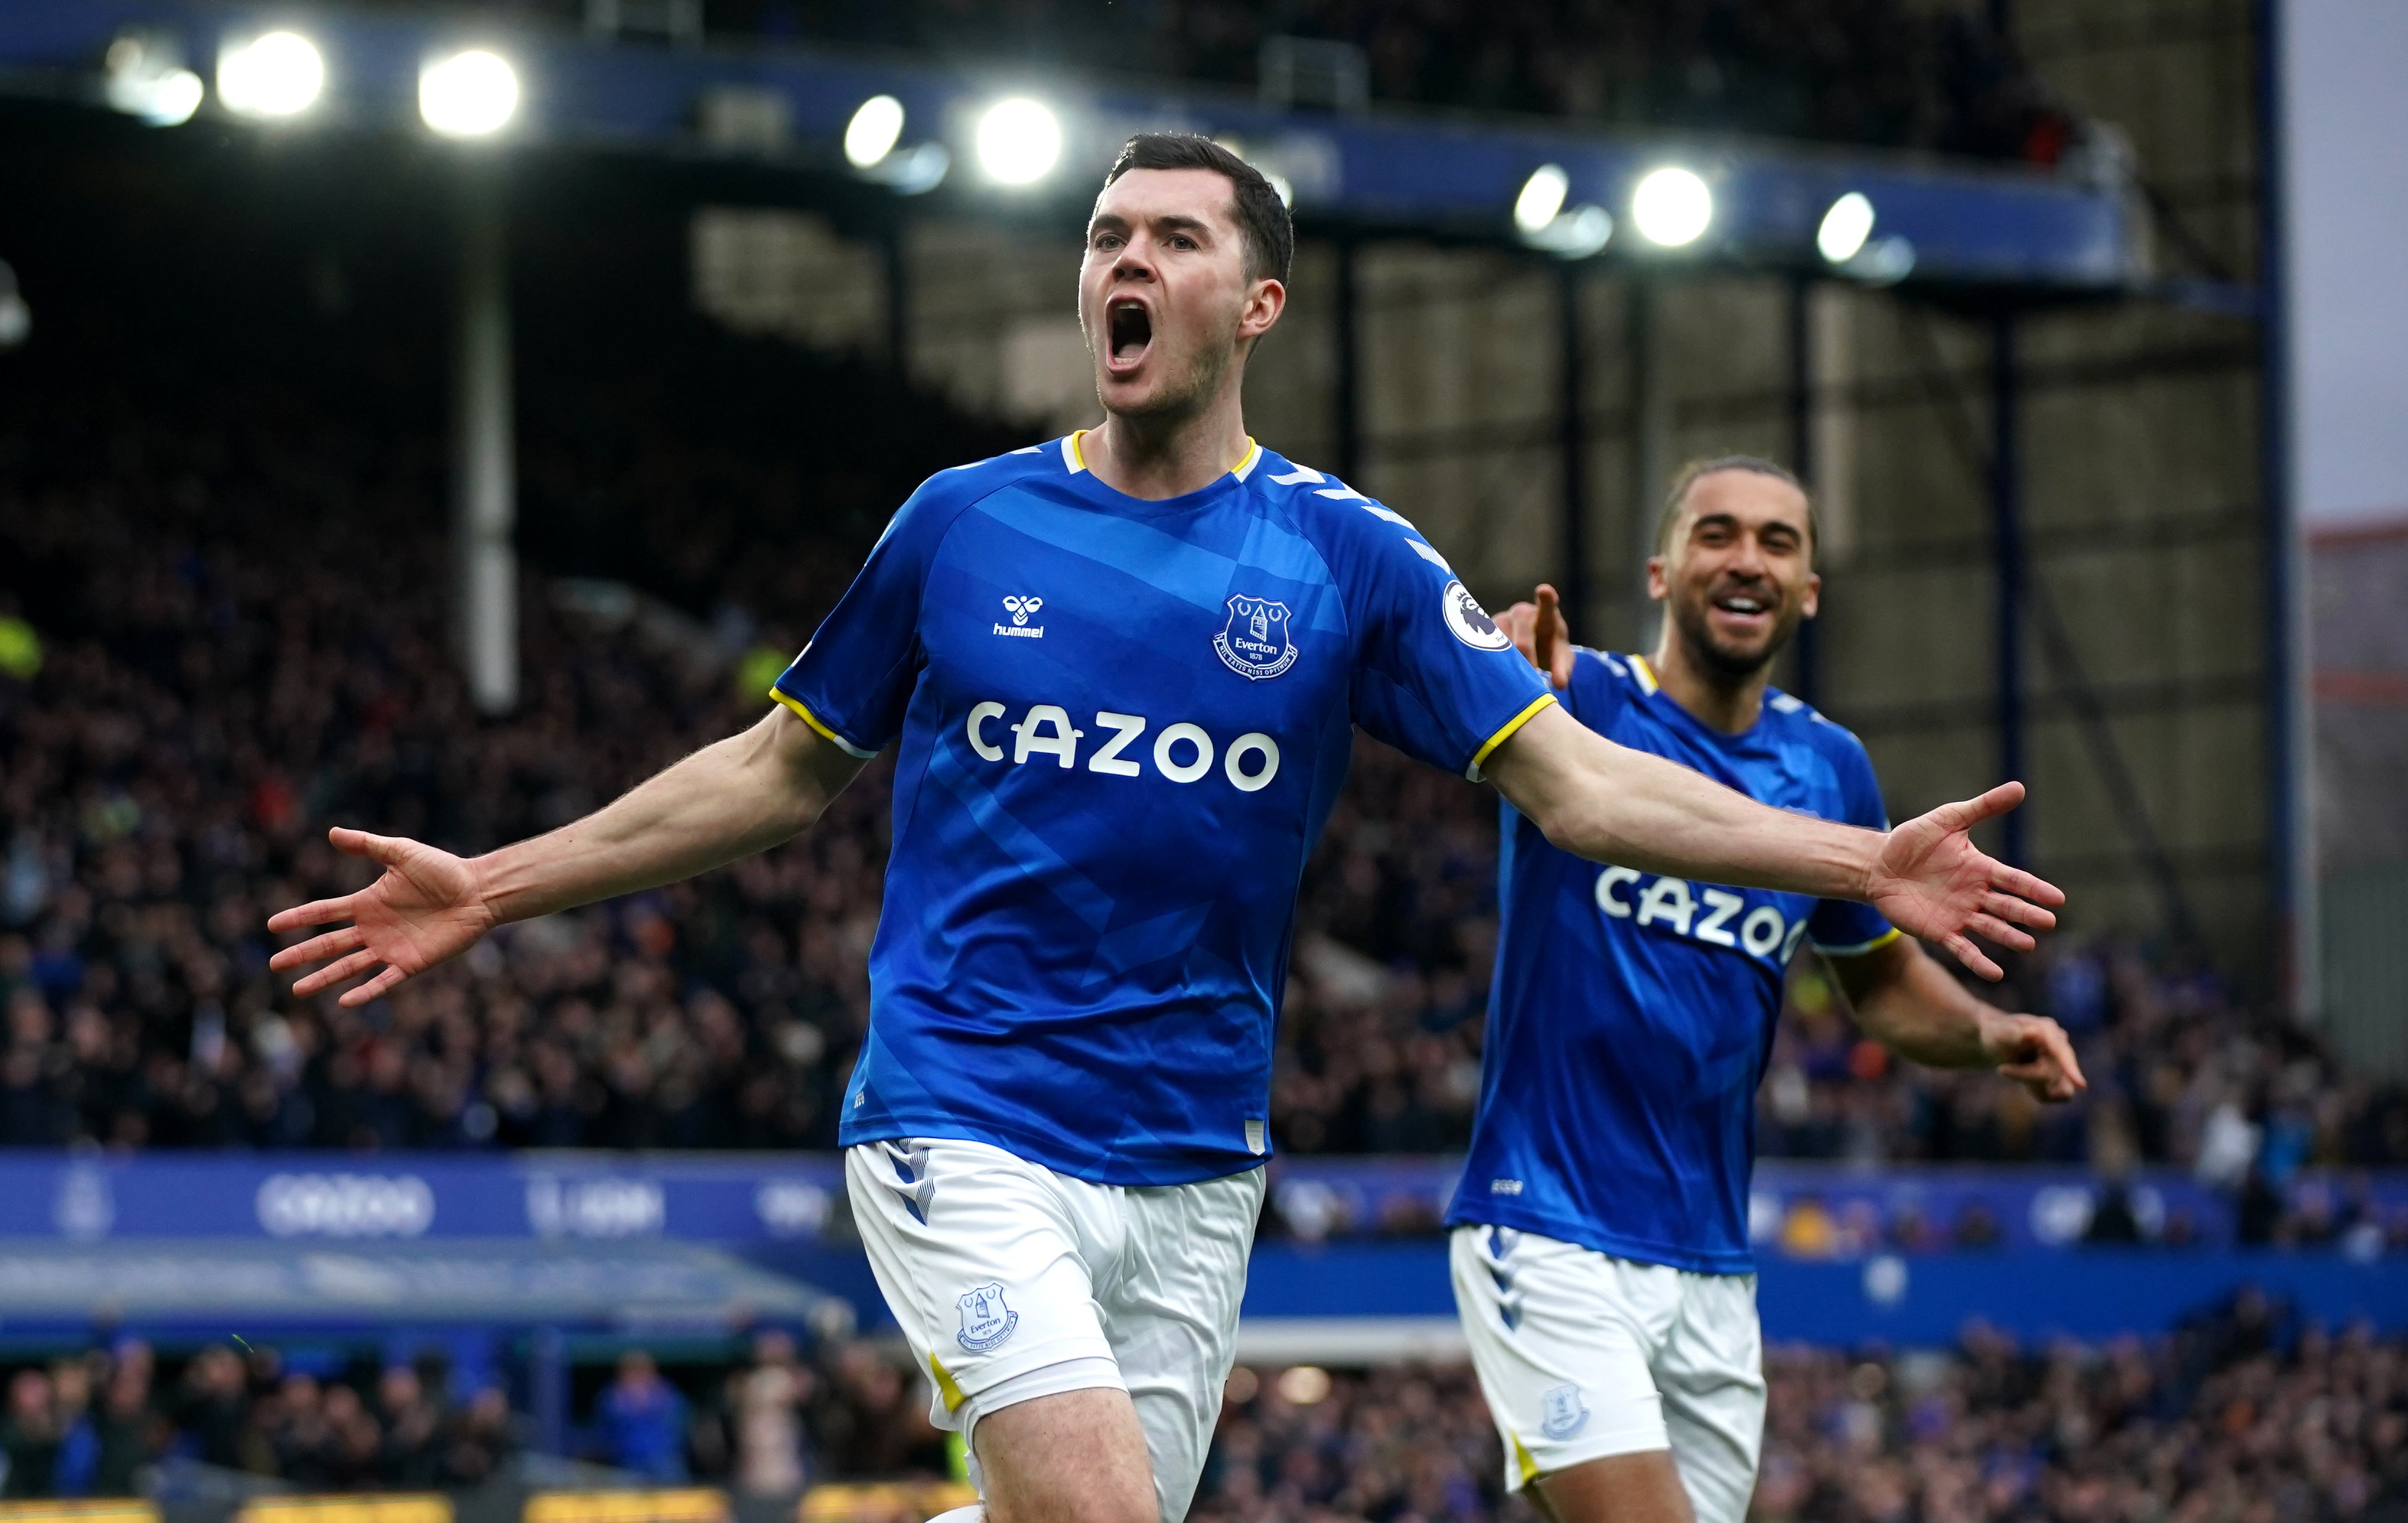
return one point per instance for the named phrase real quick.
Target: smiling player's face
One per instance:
(1164, 300)
(1738, 576)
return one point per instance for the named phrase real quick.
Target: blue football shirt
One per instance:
(1631, 1013)
(1121, 725)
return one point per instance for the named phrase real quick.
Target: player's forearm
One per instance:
(1906, 1001)
(1612, 804)
(742, 795)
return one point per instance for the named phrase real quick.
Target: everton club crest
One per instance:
(1255, 642)
(1561, 1413)
(986, 1321)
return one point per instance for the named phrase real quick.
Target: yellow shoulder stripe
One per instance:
(813, 721)
(1504, 735)
(1874, 945)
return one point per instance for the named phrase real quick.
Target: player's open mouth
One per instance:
(1132, 330)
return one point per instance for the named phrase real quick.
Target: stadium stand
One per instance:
(201, 710)
(2245, 1412)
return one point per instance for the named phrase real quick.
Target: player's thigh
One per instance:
(1711, 1370)
(1074, 1456)
(1170, 1311)
(1562, 1339)
(980, 1257)
(1641, 1488)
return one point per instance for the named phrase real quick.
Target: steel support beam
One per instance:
(2007, 541)
(1806, 666)
(2290, 716)
(1573, 439)
(896, 247)
(484, 500)
(1651, 435)
(1349, 400)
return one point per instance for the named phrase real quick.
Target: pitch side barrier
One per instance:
(1351, 1264)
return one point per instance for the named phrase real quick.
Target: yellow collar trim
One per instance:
(1646, 673)
(1076, 458)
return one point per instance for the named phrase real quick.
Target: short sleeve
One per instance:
(1844, 928)
(853, 681)
(1434, 676)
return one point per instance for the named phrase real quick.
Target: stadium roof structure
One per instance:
(1934, 222)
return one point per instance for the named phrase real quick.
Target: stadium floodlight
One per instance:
(1845, 227)
(1543, 196)
(275, 74)
(469, 94)
(16, 318)
(1018, 141)
(871, 135)
(147, 78)
(1672, 207)
(1580, 233)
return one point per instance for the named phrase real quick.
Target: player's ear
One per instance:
(1812, 604)
(1265, 299)
(1659, 579)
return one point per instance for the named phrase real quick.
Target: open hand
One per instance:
(425, 910)
(1930, 881)
(1540, 634)
(2032, 1050)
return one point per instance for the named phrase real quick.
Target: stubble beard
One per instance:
(1718, 662)
(1186, 390)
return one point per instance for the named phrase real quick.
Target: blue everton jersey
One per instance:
(1631, 1013)
(1121, 725)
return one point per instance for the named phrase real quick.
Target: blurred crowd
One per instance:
(224, 640)
(2182, 1071)
(1851, 71)
(110, 1422)
(2238, 1416)
(2241, 1413)
(101, 1424)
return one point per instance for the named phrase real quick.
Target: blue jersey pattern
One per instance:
(1631, 1013)
(1121, 724)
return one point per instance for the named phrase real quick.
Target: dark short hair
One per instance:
(1262, 216)
(1689, 475)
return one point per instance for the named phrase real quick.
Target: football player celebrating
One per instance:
(1600, 1250)
(1120, 672)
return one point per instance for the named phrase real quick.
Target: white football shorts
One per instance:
(1582, 1356)
(1012, 1281)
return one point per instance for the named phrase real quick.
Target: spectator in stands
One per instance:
(414, 1460)
(213, 1409)
(29, 1437)
(764, 1405)
(128, 1427)
(479, 1440)
(641, 1420)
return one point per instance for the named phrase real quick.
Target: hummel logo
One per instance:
(1020, 608)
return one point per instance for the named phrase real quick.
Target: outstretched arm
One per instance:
(740, 796)
(1612, 804)
(1908, 1004)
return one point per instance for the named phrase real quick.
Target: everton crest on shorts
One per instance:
(986, 1321)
